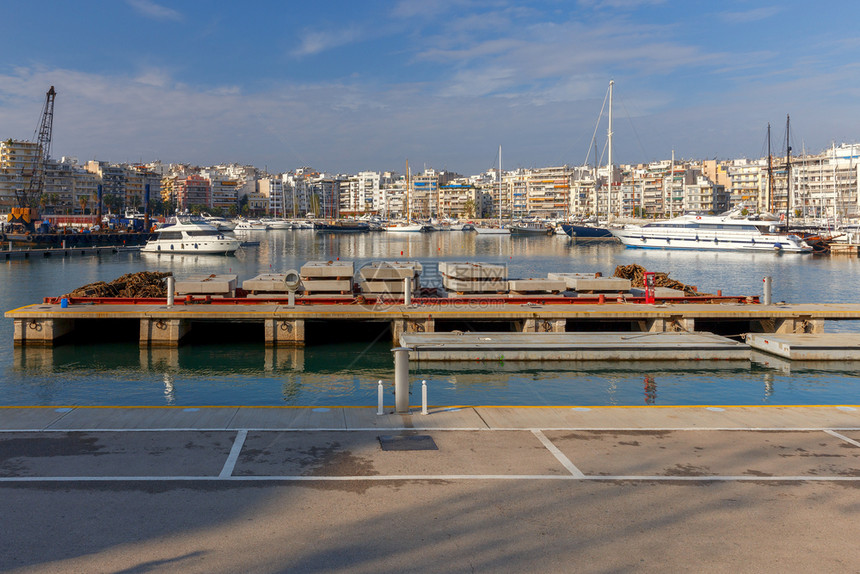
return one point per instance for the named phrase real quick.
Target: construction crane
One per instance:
(28, 199)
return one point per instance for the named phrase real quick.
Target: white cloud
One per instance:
(754, 15)
(317, 41)
(150, 9)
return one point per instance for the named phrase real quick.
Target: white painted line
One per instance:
(230, 463)
(842, 437)
(565, 462)
(407, 477)
(377, 429)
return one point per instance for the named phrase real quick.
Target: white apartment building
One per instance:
(17, 161)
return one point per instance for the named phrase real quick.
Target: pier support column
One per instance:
(655, 325)
(400, 326)
(40, 332)
(802, 324)
(542, 325)
(285, 332)
(163, 332)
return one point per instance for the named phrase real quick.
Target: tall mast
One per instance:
(609, 136)
(500, 187)
(787, 170)
(769, 172)
(408, 206)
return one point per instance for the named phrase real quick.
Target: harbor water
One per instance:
(344, 368)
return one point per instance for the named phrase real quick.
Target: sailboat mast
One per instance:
(500, 187)
(787, 170)
(609, 159)
(770, 205)
(408, 205)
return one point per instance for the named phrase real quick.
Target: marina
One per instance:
(229, 362)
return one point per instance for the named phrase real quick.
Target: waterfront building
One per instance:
(224, 193)
(193, 191)
(458, 200)
(273, 190)
(547, 193)
(17, 161)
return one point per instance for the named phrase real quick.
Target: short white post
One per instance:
(171, 282)
(424, 397)
(768, 290)
(407, 291)
(401, 380)
(379, 392)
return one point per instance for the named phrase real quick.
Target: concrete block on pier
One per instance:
(387, 287)
(222, 285)
(536, 285)
(389, 270)
(285, 332)
(267, 283)
(317, 286)
(163, 332)
(658, 292)
(466, 271)
(599, 284)
(484, 286)
(40, 332)
(327, 269)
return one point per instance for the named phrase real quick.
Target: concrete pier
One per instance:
(45, 324)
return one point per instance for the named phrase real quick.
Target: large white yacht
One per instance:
(191, 236)
(729, 231)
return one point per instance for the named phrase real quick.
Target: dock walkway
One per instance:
(163, 325)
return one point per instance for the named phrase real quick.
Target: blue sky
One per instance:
(346, 86)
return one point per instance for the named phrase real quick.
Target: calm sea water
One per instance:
(243, 372)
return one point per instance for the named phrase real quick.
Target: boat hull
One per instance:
(637, 239)
(586, 232)
(215, 247)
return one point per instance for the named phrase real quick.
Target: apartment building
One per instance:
(17, 161)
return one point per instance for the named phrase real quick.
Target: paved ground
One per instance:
(545, 490)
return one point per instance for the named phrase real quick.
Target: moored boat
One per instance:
(729, 231)
(191, 236)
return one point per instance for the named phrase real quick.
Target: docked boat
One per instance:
(341, 226)
(586, 231)
(405, 227)
(530, 228)
(729, 231)
(250, 225)
(274, 223)
(492, 230)
(191, 236)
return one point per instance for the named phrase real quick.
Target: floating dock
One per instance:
(808, 347)
(571, 347)
(29, 253)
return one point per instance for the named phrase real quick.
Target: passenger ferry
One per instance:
(191, 236)
(729, 231)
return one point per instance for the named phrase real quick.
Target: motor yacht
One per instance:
(191, 236)
(729, 231)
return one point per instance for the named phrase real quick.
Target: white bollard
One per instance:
(424, 397)
(768, 290)
(401, 380)
(379, 392)
(407, 291)
(171, 282)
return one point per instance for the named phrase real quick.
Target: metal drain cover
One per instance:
(407, 442)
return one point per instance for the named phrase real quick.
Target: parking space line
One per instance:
(230, 463)
(408, 477)
(842, 437)
(565, 462)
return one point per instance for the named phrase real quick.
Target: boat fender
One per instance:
(171, 246)
(158, 247)
(195, 246)
(2, 237)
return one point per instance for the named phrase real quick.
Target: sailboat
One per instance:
(407, 226)
(500, 230)
(590, 229)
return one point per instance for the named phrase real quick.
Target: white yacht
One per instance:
(250, 225)
(406, 227)
(729, 231)
(191, 236)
